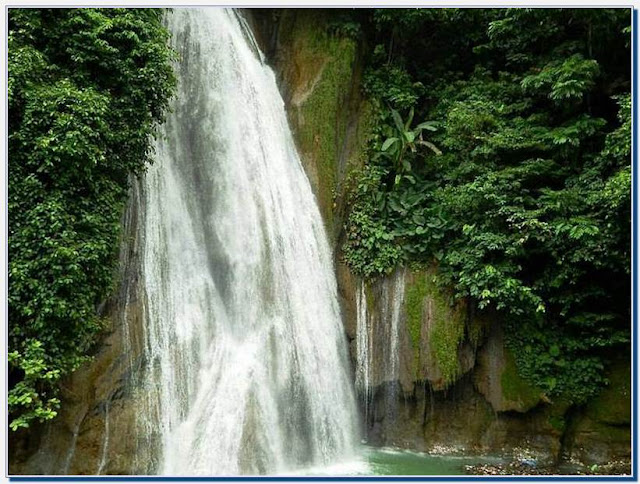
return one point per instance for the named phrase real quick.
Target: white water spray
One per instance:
(246, 360)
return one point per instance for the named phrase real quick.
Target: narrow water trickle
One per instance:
(363, 350)
(105, 441)
(379, 364)
(246, 360)
(393, 294)
(72, 445)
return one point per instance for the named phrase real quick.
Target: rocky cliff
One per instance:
(441, 380)
(454, 384)
(95, 431)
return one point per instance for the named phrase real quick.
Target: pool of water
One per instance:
(388, 461)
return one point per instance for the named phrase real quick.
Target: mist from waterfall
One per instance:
(246, 360)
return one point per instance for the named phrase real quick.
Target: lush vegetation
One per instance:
(502, 154)
(85, 88)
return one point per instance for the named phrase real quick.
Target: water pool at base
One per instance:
(389, 461)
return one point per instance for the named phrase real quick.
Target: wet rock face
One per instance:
(602, 431)
(496, 377)
(451, 367)
(94, 432)
(461, 420)
(471, 399)
(319, 78)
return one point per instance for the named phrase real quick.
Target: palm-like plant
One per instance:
(407, 138)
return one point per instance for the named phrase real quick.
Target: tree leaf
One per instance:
(409, 120)
(398, 120)
(388, 143)
(430, 145)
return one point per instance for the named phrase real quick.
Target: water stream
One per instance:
(246, 359)
(364, 351)
(379, 365)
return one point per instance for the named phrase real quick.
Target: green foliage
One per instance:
(370, 247)
(393, 86)
(343, 24)
(527, 210)
(85, 88)
(389, 221)
(563, 79)
(24, 395)
(515, 388)
(406, 138)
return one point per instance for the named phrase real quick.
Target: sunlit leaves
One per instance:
(564, 79)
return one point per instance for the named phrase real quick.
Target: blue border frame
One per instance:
(634, 399)
(634, 249)
(464, 478)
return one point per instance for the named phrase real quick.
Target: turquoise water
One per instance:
(388, 461)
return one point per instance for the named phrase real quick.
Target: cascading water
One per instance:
(247, 368)
(377, 364)
(364, 350)
(393, 302)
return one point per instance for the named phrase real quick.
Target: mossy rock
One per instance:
(613, 405)
(436, 328)
(597, 443)
(516, 391)
(496, 377)
(557, 414)
(320, 75)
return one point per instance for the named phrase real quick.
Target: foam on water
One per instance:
(246, 359)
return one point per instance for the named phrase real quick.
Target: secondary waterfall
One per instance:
(378, 364)
(246, 360)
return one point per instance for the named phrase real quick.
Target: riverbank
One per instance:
(529, 468)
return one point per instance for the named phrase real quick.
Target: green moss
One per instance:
(447, 325)
(414, 302)
(514, 387)
(446, 334)
(613, 405)
(558, 422)
(475, 330)
(557, 414)
(368, 292)
(606, 433)
(323, 117)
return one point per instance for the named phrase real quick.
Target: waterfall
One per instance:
(393, 302)
(246, 361)
(379, 363)
(363, 350)
(105, 441)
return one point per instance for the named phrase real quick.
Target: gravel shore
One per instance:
(525, 468)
